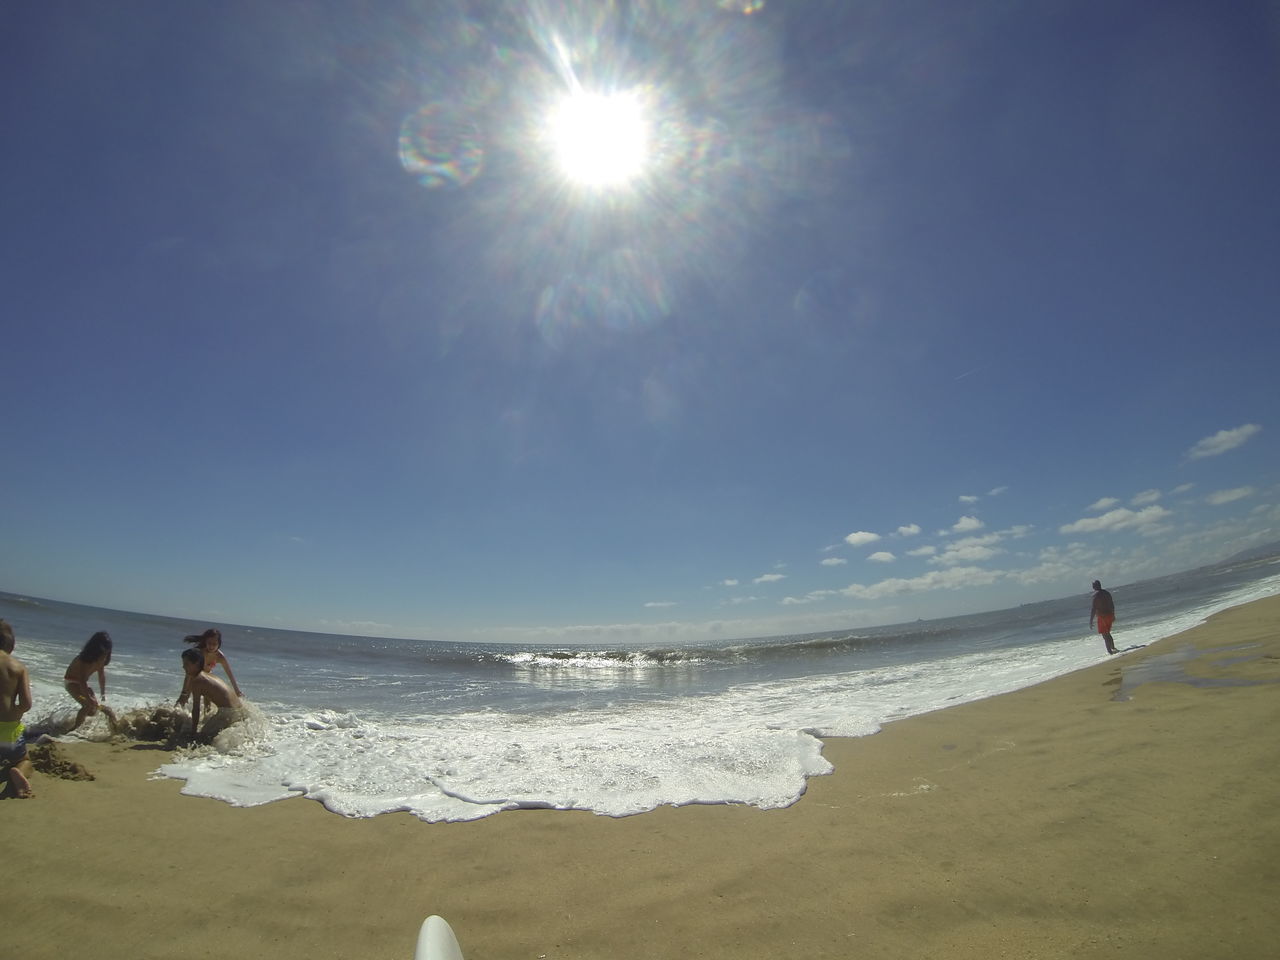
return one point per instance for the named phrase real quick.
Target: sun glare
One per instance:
(599, 140)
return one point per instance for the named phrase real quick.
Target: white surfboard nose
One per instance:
(436, 941)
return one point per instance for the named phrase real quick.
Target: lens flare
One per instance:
(440, 148)
(600, 166)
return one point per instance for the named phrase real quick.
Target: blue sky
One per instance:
(912, 310)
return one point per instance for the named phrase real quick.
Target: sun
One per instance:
(599, 140)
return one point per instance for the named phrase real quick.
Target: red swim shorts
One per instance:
(1105, 620)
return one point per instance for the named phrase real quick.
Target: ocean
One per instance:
(452, 731)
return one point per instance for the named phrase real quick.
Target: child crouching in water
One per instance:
(203, 686)
(92, 659)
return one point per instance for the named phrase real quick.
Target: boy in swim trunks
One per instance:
(203, 686)
(1104, 611)
(15, 700)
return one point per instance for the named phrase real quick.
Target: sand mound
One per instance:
(51, 761)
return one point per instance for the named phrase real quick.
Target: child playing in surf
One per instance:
(92, 659)
(209, 646)
(204, 687)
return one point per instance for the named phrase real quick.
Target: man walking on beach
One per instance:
(1104, 611)
(15, 700)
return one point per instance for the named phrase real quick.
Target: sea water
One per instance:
(453, 731)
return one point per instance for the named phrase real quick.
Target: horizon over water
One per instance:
(458, 731)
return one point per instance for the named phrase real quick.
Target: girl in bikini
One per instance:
(92, 659)
(209, 644)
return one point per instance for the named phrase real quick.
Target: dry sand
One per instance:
(1050, 822)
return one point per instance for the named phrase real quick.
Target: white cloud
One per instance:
(813, 596)
(659, 603)
(1218, 540)
(735, 601)
(909, 530)
(1182, 488)
(834, 561)
(769, 578)
(1145, 497)
(1058, 564)
(965, 524)
(969, 550)
(1222, 441)
(996, 491)
(975, 553)
(1219, 497)
(969, 498)
(1106, 503)
(882, 556)
(955, 578)
(979, 548)
(1121, 519)
(728, 583)
(861, 538)
(926, 551)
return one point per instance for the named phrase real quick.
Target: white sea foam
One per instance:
(467, 766)
(755, 744)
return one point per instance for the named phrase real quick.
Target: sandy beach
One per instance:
(1056, 821)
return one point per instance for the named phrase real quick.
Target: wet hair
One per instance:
(199, 638)
(6, 637)
(192, 655)
(98, 647)
(1097, 584)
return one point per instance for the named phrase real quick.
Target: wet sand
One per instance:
(1051, 822)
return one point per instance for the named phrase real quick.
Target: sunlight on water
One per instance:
(1172, 667)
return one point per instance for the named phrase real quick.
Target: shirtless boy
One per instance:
(203, 686)
(1104, 612)
(15, 700)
